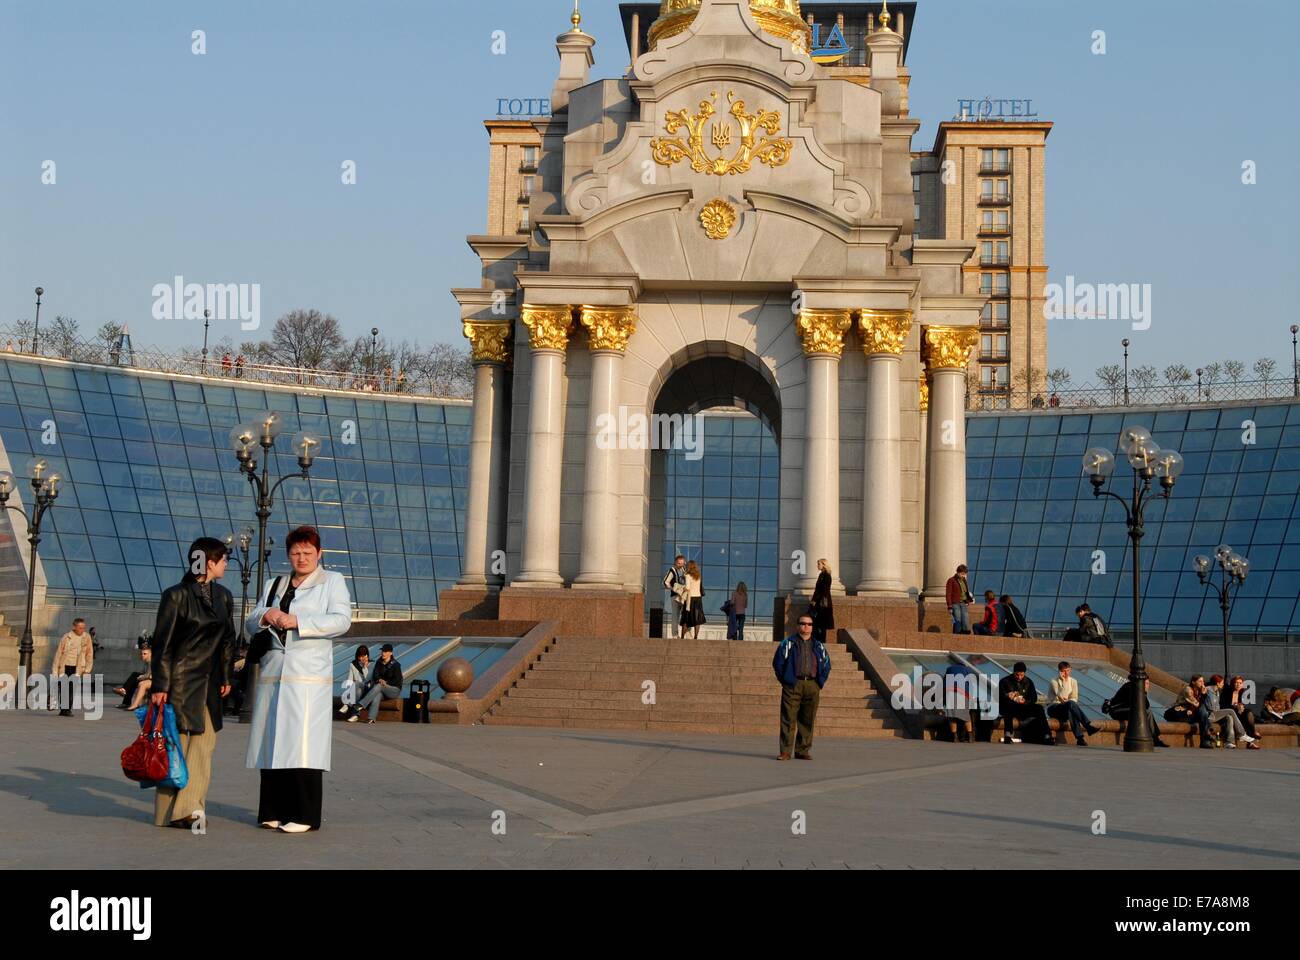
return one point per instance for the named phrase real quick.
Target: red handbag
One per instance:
(146, 758)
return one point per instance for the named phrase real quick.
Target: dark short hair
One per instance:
(1005, 598)
(1019, 667)
(211, 548)
(678, 557)
(961, 568)
(1081, 607)
(308, 535)
(78, 620)
(386, 648)
(1195, 677)
(1063, 664)
(363, 651)
(989, 593)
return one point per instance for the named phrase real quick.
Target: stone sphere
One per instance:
(455, 677)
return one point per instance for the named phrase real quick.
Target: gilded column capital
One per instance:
(823, 331)
(884, 331)
(549, 327)
(949, 348)
(609, 328)
(489, 342)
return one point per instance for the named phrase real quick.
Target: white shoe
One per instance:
(354, 718)
(294, 828)
(270, 824)
(1231, 746)
(1246, 738)
(343, 709)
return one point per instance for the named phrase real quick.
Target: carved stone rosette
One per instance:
(609, 328)
(717, 218)
(884, 331)
(949, 348)
(549, 327)
(489, 342)
(823, 331)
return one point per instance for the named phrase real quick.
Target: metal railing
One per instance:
(995, 169)
(191, 363)
(994, 199)
(994, 228)
(997, 260)
(1089, 396)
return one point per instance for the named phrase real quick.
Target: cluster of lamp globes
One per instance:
(1232, 563)
(247, 437)
(1144, 455)
(45, 482)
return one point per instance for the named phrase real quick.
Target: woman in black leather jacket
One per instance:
(193, 644)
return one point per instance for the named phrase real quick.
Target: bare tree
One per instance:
(1233, 369)
(23, 331)
(1058, 379)
(1146, 376)
(304, 339)
(1029, 379)
(1264, 368)
(63, 336)
(1112, 376)
(1176, 374)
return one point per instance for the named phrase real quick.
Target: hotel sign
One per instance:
(525, 107)
(991, 109)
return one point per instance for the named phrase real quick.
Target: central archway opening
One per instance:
(718, 502)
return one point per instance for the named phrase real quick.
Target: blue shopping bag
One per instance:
(177, 773)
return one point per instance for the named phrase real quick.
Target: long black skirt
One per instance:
(291, 796)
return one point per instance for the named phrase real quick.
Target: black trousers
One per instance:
(1123, 713)
(291, 796)
(65, 691)
(1033, 720)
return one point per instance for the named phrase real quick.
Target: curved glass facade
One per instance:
(1035, 531)
(149, 469)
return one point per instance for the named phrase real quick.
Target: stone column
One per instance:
(823, 344)
(609, 329)
(549, 328)
(884, 335)
(484, 533)
(947, 353)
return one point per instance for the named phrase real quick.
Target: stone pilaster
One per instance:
(549, 328)
(947, 352)
(608, 330)
(884, 336)
(484, 511)
(822, 332)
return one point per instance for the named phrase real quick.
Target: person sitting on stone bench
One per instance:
(1233, 728)
(1091, 628)
(1190, 708)
(1013, 621)
(385, 683)
(1120, 707)
(990, 626)
(135, 688)
(360, 673)
(1063, 705)
(1018, 700)
(1279, 708)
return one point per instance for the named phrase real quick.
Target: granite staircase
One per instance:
(699, 686)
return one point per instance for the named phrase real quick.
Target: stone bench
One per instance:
(390, 711)
(1274, 735)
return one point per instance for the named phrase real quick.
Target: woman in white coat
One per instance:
(290, 737)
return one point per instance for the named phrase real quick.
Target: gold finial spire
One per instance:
(576, 19)
(884, 15)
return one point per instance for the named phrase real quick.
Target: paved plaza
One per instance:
(410, 796)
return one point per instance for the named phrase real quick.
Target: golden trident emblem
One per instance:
(773, 150)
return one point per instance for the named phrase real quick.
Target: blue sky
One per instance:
(226, 167)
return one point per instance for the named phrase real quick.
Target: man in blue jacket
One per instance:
(802, 665)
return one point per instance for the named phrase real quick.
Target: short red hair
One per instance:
(302, 535)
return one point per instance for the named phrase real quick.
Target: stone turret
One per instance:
(885, 51)
(576, 61)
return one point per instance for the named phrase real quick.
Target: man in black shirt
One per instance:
(1018, 700)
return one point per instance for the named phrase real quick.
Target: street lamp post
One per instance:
(1234, 569)
(46, 490)
(1126, 346)
(203, 365)
(1200, 371)
(1148, 461)
(1295, 362)
(36, 332)
(374, 348)
(246, 439)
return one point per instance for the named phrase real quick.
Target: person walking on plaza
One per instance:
(958, 597)
(675, 584)
(1233, 727)
(385, 683)
(1063, 705)
(1018, 700)
(693, 610)
(991, 625)
(802, 665)
(291, 732)
(75, 656)
(822, 610)
(193, 646)
(737, 606)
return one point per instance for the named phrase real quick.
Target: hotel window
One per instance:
(991, 378)
(993, 345)
(995, 252)
(995, 313)
(916, 212)
(996, 284)
(528, 185)
(530, 158)
(995, 161)
(916, 183)
(995, 188)
(525, 220)
(995, 220)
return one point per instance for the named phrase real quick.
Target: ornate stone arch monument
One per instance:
(725, 205)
